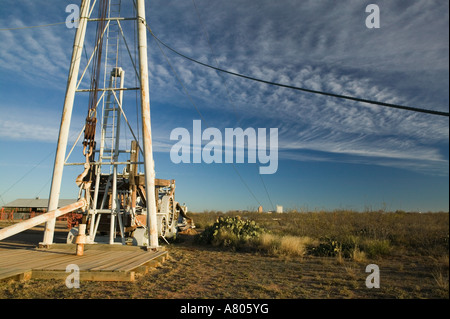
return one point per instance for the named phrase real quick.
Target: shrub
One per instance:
(284, 245)
(347, 247)
(231, 232)
(268, 242)
(295, 246)
(236, 233)
(358, 255)
(339, 232)
(377, 248)
(329, 247)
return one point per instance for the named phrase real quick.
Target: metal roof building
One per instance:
(35, 203)
(24, 208)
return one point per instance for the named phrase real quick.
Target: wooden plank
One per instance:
(117, 258)
(23, 260)
(13, 252)
(85, 275)
(162, 182)
(26, 275)
(137, 258)
(59, 262)
(158, 257)
(15, 274)
(144, 268)
(37, 259)
(85, 262)
(95, 265)
(96, 259)
(6, 256)
(140, 180)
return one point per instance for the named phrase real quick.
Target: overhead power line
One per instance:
(26, 174)
(340, 96)
(200, 114)
(32, 26)
(205, 32)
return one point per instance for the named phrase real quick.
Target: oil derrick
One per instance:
(122, 204)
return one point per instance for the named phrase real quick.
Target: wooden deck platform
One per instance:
(99, 262)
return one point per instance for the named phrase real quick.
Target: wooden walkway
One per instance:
(99, 262)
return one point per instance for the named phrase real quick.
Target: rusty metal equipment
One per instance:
(125, 205)
(119, 215)
(119, 202)
(80, 240)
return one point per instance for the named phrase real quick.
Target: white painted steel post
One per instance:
(65, 121)
(146, 127)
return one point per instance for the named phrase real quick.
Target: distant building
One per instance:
(279, 209)
(24, 208)
(260, 209)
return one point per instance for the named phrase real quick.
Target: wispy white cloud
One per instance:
(25, 130)
(321, 45)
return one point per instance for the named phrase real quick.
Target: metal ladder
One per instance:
(112, 36)
(110, 126)
(111, 111)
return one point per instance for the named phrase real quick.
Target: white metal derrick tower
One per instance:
(114, 191)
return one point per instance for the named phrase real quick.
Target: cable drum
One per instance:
(168, 208)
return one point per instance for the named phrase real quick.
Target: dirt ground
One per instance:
(200, 272)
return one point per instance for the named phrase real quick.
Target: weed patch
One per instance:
(232, 232)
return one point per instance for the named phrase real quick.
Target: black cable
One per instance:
(26, 174)
(205, 32)
(199, 113)
(35, 26)
(181, 83)
(268, 196)
(352, 98)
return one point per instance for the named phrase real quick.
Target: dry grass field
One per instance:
(320, 255)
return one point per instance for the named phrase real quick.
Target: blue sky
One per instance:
(333, 154)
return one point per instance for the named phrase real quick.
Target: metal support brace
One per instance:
(29, 223)
(146, 127)
(65, 121)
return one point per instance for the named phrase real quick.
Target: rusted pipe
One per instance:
(29, 223)
(80, 240)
